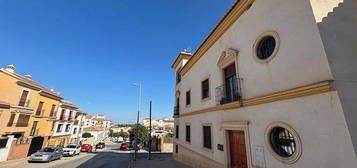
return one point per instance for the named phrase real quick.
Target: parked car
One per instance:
(86, 148)
(71, 150)
(124, 146)
(46, 155)
(100, 145)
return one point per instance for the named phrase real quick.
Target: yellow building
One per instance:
(26, 108)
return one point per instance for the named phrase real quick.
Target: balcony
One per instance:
(24, 103)
(228, 93)
(176, 110)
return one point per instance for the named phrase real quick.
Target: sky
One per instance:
(93, 50)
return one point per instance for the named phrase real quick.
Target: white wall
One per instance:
(300, 60)
(318, 119)
(4, 152)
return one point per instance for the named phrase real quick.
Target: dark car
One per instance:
(100, 145)
(86, 148)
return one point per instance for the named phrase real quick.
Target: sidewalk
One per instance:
(163, 160)
(14, 161)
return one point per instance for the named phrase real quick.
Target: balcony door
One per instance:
(231, 83)
(23, 98)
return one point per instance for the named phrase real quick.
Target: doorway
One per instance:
(237, 148)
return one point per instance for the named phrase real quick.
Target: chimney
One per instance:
(10, 68)
(28, 76)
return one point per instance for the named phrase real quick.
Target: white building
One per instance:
(98, 120)
(164, 124)
(273, 85)
(77, 128)
(65, 118)
(99, 133)
(116, 128)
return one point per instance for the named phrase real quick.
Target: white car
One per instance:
(71, 150)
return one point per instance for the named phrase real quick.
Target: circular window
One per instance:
(266, 46)
(283, 142)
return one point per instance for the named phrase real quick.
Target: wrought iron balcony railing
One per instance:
(176, 110)
(228, 93)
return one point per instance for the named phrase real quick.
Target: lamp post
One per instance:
(137, 121)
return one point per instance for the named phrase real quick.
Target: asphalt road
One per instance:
(108, 157)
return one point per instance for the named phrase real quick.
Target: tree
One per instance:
(123, 134)
(143, 133)
(86, 135)
(110, 133)
(170, 135)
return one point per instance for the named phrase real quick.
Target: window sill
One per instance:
(205, 99)
(207, 149)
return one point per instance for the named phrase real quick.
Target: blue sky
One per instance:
(92, 50)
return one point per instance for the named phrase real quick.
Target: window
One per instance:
(177, 131)
(205, 89)
(23, 98)
(62, 114)
(70, 116)
(188, 97)
(3, 142)
(207, 139)
(68, 127)
(59, 128)
(23, 120)
(74, 130)
(53, 126)
(11, 120)
(188, 133)
(52, 110)
(178, 77)
(33, 129)
(283, 142)
(266, 46)
(39, 108)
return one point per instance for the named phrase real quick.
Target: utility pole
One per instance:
(150, 133)
(137, 122)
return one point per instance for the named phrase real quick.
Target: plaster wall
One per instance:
(318, 120)
(338, 33)
(300, 60)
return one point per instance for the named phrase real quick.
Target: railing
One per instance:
(25, 103)
(21, 124)
(228, 93)
(176, 110)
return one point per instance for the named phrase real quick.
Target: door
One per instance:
(36, 144)
(237, 148)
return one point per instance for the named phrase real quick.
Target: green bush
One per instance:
(86, 135)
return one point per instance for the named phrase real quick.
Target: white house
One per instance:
(64, 123)
(273, 85)
(77, 128)
(99, 133)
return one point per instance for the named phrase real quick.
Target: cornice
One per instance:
(316, 88)
(232, 15)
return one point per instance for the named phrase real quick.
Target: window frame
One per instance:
(203, 137)
(188, 138)
(298, 148)
(256, 44)
(188, 98)
(177, 131)
(209, 89)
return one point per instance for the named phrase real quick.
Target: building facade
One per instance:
(77, 128)
(273, 85)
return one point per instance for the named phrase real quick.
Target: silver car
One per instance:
(46, 155)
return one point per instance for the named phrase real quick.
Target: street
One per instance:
(108, 157)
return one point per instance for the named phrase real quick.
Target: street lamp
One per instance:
(137, 121)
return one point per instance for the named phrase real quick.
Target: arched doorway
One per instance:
(36, 144)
